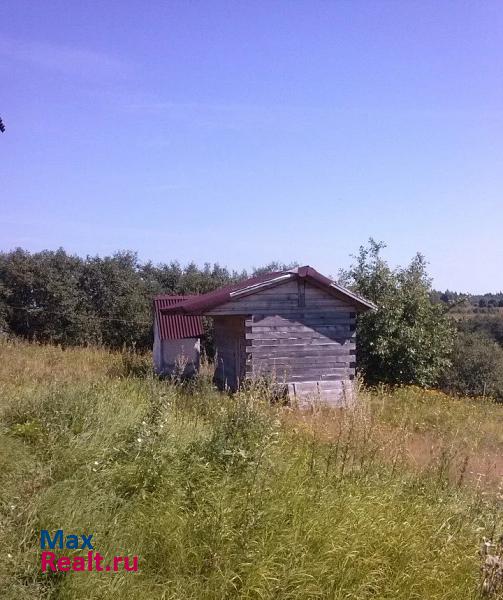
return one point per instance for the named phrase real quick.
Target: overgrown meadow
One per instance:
(236, 497)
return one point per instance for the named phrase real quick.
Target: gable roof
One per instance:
(175, 326)
(206, 302)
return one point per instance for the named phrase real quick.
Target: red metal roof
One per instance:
(204, 302)
(176, 326)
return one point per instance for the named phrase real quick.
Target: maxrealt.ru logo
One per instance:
(91, 561)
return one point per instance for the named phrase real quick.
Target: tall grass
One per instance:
(224, 496)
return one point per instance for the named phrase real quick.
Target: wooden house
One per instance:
(296, 327)
(176, 339)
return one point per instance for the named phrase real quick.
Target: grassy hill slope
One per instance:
(229, 497)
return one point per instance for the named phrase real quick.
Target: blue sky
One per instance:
(244, 132)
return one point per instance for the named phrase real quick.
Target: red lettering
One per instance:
(48, 559)
(64, 563)
(134, 567)
(98, 559)
(117, 560)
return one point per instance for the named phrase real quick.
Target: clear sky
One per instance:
(245, 132)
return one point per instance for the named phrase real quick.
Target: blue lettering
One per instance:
(45, 539)
(86, 542)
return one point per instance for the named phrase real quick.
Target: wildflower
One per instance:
(139, 440)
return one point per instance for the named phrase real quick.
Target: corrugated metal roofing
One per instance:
(205, 302)
(176, 326)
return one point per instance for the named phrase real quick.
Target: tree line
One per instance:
(56, 297)
(52, 296)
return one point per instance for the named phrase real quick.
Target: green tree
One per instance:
(41, 295)
(118, 299)
(408, 340)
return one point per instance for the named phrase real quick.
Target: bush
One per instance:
(476, 366)
(489, 325)
(409, 338)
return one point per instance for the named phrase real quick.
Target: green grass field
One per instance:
(231, 497)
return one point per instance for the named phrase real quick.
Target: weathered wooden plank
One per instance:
(267, 336)
(295, 378)
(328, 335)
(323, 365)
(273, 294)
(300, 330)
(307, 373)
(272, 306)
(295, 317)
(326, 367)
(315, 352)
(299, 367)
(245, 311)
(243, 308)
(303, 387)
(313, 323)
(292, 327)
(299, 343)
(285, 376)
(303, 337)
(305, 394)
(298, 354)
(315, 375)
(300, 317)
(325, 301)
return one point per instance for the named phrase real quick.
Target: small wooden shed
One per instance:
(295, 326)
(176, 339)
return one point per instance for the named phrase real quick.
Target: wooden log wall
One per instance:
(297, 334)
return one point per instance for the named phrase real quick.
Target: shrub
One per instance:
(476, 366)
(489, 325)
(409, 338)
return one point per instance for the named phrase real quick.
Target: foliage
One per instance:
(489, 325)
(223, 497)
(52, 296)
(409, 338)
(477, 366)
(60, 298)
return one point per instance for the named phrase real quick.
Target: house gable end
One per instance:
(224, 300)
(291, 296)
